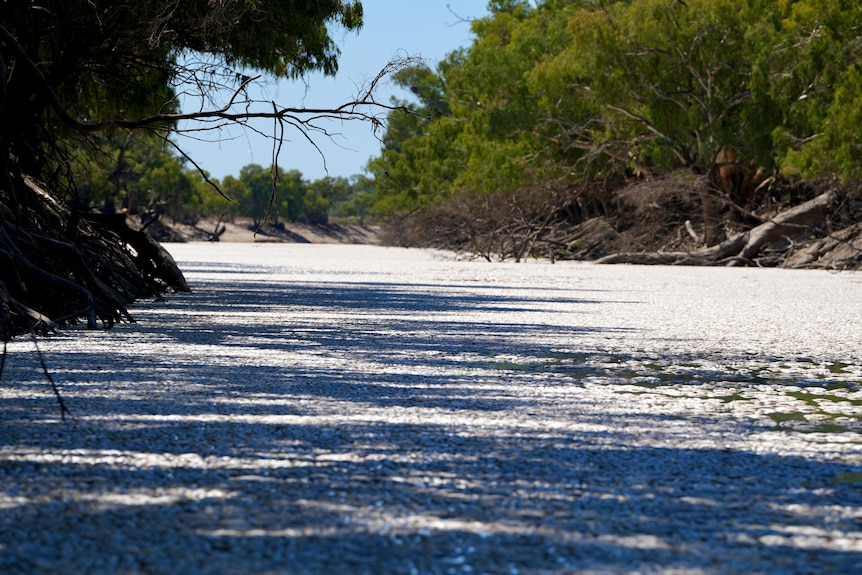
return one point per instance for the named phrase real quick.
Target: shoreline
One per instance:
(241, 230)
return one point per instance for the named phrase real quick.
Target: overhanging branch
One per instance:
(363, 108)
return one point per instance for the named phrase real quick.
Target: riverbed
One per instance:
(361, 409)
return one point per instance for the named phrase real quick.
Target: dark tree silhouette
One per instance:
(72, 70)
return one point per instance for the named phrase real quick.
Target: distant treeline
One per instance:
(138, 174)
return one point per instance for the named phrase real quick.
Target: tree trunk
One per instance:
(744, 247)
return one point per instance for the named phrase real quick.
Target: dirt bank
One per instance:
(243, 230)
(787, 223)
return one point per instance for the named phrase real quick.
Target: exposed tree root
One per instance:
(59, 267)
(661, 221)
(744, 247)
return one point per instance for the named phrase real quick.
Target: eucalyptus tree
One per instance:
(479, 135)
(662, 83)
(569, 99)
(810, 67)
(74, 73)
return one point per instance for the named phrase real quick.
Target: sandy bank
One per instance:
(242, 230)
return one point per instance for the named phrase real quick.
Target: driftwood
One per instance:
(744, 247)
(790, 223)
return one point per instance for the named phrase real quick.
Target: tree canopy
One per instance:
(81, 66)
(576, 89)
(557, 104)
(89, 96)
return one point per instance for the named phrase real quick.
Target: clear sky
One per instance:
(429, 29)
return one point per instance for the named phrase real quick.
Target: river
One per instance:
(362, 409)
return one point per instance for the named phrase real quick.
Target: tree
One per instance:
(810, 67)
(292, 194)
(481, 137)
(558, 104)
(322, 195)
(216, 204)
(258, 183)
(75, 73)
(359, 201)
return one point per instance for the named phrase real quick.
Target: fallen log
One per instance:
(744, 247)
(788, 223)
(841, 249)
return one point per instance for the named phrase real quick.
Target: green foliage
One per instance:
(659, 83)
(210, 203)
(575, 91)
(87, 61)
(133, 171)
(811, 70)
(291, 193)
(136, 43)
(292, 198)
(322, 195)
(136, 175)
(358, 202)
(483, 134)
(258, 201)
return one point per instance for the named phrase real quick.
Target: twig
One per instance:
(63, 409)
(200, 170)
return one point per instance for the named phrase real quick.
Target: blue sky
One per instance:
(422, 28)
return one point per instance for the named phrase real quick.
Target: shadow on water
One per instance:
(383, 428)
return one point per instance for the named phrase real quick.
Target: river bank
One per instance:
(243, 230)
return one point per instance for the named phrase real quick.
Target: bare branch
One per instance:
(362, 108)
(200, 170)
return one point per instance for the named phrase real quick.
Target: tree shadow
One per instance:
(385, 428)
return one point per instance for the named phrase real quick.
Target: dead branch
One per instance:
(742, 247)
